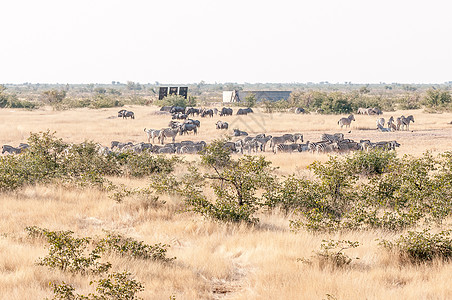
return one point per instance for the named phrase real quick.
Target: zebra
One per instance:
(326, 147)
(383, 129)
(298, 136)
(346, 121)
(222, 125)
(303, 147)
(263, 141)
(399, 122)
(11, 149)
(347, 145)
(152, 133)
(276, 140)
(406, 121)
(332, 137)
(381, 122)
(391, 124)
(167, 132)
(287, 147)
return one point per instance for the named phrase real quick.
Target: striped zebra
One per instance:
(381, 122)
(346, 121)
(287, 147)
(168, 132)
(399, 123)
(391, 124)
(332, 137)
(276, 140)
(298, 136)
(327, 147)
(152, 133)
(406, 122)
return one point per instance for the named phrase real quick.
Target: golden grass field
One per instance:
(214, 261)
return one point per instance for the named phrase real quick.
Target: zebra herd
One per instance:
(401, 123)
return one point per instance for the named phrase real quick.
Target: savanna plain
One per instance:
(214, 260)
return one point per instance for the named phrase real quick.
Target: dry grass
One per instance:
(214, 261)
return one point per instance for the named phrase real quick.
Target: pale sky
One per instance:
(99, 41)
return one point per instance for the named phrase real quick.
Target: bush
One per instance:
(117, 286)
(134, 249)
(422, 246)
(173, 100)
(69, 253)
(50, 159)
(331, 253)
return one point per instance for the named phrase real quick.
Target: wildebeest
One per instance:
(225, 111)
(179, 116)
(195, 122)
(222, 125)
(346, 121)
(192, 111)
(125, 114)
(244, 111)
(185, 128)
(239, 133)
(207, 112)
(177, 109)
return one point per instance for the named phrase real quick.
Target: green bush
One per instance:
(116, 286)
(128, 247)
(69, 253)
(173, 100)
(421, 246)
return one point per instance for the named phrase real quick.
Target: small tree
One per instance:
(54, 97)
(250, 100)
(235, 184)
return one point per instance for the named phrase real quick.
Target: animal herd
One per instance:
(182, 124)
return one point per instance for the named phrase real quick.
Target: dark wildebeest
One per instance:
(244, 111)
(177, 109)
(225, 111)
(191, 121)
(239, 133)
(192, 111)
(185, 128)
(125, 114)
(207, 112)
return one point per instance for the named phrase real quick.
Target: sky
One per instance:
(180, 41)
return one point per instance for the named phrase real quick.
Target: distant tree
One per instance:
(434, 98)
(54, 97)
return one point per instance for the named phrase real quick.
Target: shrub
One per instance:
(421, 246)
(134, 249)
(69, 253)
(173, 100)
(331, 253)
(117, 286)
